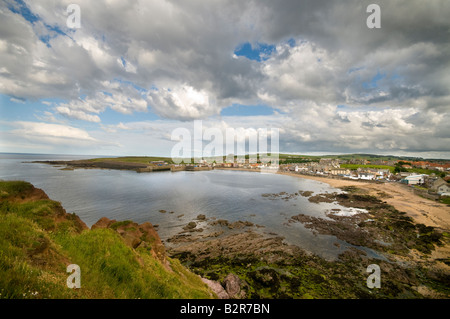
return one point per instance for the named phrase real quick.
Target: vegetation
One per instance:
(278, 273)
(38, 239)
(356, 166)
(134, 159)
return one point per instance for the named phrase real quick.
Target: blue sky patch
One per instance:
(260, 52)
(111, 117)
(291, 42)
(373, 84)
(247, 110)
(21, 8)
(13, 109)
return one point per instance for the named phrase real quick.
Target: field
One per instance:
(356, 166)
(134, 159)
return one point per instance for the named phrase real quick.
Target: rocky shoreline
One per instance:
(264, 266)
(86, 164)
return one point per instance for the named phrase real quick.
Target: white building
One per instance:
(441, 186)
(366, 176)
(414, 179)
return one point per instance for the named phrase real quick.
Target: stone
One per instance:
(232, 284)
(216, 288)
(191, 225)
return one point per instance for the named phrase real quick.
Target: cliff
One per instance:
(117, 259)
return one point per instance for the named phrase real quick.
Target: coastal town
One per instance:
(429, 179)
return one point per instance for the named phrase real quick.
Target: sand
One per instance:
(402, 197)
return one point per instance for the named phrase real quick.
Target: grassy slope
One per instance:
(134, 159)
(356, 166)
(38, 240)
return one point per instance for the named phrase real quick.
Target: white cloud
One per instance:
(78, 115)
(38, 130)
(182, 102)
(39, 137)
(177, 59)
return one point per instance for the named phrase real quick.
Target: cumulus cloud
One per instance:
(53, 138)
(338, 84)
(78, 115)
(182, 102)
(56, 132)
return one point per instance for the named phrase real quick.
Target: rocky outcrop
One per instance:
(233, 285)
(231, 225)
(136, 235)
(56, 215)
(230, 289)
(106, 164)
(216, 288)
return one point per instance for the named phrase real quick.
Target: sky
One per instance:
(137, 70)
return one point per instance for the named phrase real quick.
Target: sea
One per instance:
(220, 194)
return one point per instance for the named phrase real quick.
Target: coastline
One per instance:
(422, 210)
(402, 198)
(266, 267)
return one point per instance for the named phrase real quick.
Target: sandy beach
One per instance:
(402, 197)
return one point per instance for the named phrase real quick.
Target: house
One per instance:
(329, 162)
(340, 171)
(413, 179)
(366, 176)
(440, 186)
(382, 173)
(443, 189)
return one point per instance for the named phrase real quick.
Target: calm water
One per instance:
(231, 195)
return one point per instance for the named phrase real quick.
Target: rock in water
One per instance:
(191, 225)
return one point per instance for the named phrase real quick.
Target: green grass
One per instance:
(111, 267)
(37, 242)
(391, 168)
(21, 276)
(356, 166)
(13, 188)
(422, 171)
(445, 200)
(134, 159)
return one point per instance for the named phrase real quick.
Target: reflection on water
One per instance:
(231, 195)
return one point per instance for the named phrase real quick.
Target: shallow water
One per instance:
(224, 194)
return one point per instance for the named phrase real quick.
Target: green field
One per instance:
(134, 159)
(391, 168)
(356, 166)
(284, 158)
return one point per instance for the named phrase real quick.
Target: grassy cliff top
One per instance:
(38, 240)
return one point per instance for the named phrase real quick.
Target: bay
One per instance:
(221, 194)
